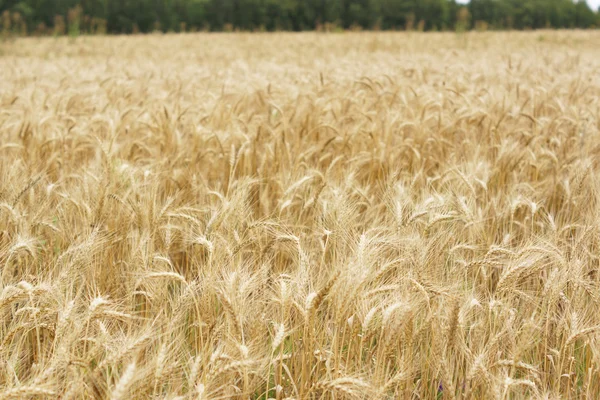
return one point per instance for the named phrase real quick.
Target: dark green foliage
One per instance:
(125, 16)
(518, 14)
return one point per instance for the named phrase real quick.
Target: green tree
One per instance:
(119, 16)
(584, 16)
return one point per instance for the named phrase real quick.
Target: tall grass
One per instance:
(306, 216)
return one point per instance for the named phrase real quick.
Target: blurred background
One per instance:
(74, 17)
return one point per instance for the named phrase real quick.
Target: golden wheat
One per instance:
(300, 216)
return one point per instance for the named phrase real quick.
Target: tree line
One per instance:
(73, 17)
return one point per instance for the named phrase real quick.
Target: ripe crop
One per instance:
(301, 216)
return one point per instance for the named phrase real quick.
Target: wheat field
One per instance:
(300, 216)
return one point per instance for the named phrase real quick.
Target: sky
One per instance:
(594, 4)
